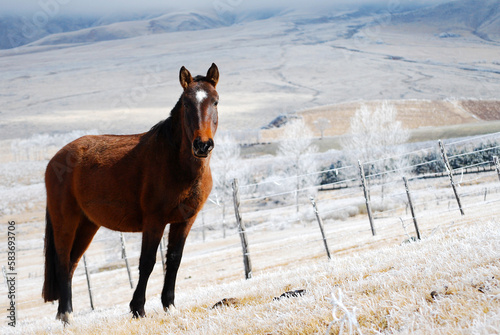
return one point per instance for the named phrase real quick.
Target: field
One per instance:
(438, 64)
(446, 283)
(426, 120)
(419, 115)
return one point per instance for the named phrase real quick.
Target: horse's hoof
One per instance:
(170, 309)
(138, 314)
(66, 317)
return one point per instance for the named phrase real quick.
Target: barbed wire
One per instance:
(275, 181)
(474, 138)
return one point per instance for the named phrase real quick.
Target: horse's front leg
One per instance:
(151, 238)
(176, 240)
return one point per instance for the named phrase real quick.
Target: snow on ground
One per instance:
(446, 283)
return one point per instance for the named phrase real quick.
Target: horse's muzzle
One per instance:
(201, 149)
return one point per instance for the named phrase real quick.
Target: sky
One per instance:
(56, 7)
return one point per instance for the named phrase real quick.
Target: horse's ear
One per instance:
(185, 77)
(213, 74)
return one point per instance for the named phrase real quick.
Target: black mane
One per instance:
(199, 78)
(165, 130)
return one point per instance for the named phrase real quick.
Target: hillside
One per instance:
(19, 30)
(481, 17)
(122, 76)
(413, 114)
(172, 22)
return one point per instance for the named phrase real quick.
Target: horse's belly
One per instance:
(114, 215)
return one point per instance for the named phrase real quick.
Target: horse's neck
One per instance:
(192, 168)
(169, 148)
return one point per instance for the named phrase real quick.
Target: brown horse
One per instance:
(132, 183)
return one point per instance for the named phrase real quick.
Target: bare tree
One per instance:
(322, 124)
(297, 152)
(226, 163)
(376, 137)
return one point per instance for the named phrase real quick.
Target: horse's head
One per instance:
(199, 104)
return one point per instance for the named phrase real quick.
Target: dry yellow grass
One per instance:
(413, 114)
(447, 283)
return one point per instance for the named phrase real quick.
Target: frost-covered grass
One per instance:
(22, 177)
(448, 283)
(21, 186)
(42, 146)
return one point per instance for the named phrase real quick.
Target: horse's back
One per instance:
(97, 175)
(88, 153)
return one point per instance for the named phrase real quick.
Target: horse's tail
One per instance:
(50, 290)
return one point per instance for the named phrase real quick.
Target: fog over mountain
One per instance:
(97, 7)
(24, 22)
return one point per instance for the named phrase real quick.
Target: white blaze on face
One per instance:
(200, 96)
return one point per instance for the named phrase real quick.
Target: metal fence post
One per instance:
(88, 281)
(124, 256)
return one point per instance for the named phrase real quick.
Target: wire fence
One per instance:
(281, 227)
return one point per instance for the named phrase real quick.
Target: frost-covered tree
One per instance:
(376, 137)
(322, 124)
(226, 165)
(297, 156)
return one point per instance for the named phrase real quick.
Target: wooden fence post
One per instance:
(450, 175)
(124, 256)
(320, 223)
(88, 281)
(367, 199)
(410, 202)
(497, 165)
(241, 225)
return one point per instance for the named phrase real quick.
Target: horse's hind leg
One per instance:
(64, 232)
(70, 243)
(84, 235)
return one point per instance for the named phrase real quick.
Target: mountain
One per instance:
(19, 30)
(272, 62)
(16, 31)
(480, 17)
(127, 29)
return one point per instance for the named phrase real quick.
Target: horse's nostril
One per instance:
(210, 145)
(197, 143)
(202, 148)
